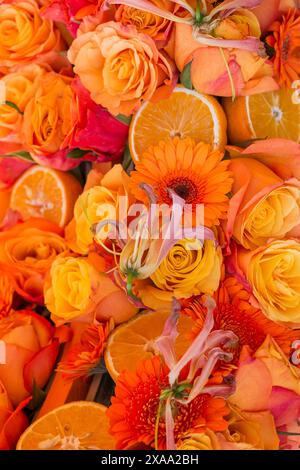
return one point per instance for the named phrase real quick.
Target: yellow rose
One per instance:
(190, 268)
(96, 205)
(262, 207)
(273, 273)
(70, 288)
(24, 34)
(19, 89)
(273, 217)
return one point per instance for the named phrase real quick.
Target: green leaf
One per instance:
(77, 153)
(22, 154)
(14, 106)
(124, 119)
(38, 396)
(127, 159)
(185, 76)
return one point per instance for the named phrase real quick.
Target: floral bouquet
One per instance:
(150, 224)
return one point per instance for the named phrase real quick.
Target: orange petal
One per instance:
(253, 386)
(40, 367)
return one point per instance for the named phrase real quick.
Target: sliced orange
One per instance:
(134, 341)
(186, 113)
(43, 192)
(266, 115)
(80, 425)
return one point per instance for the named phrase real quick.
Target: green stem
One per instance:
(157, 425)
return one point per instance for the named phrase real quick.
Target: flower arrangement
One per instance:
(150, 224)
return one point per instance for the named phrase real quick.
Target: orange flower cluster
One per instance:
(150, 224)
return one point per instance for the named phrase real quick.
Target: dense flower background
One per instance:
(110, 109)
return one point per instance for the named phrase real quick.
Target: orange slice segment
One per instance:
(266, 115)
(186, 113)
(134, 341)
(80, 425)
(47, 193)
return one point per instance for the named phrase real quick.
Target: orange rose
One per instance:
(263, 205)
(45, 126)
(19, 87)
(27, 251)
(120, 67)
(30, 353)
(155, 26)
(24, 35)
(6, 293)
(12, 423)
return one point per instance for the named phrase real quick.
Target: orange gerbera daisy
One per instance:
(134, 409)
(284, 41)
(6, 294)
(193, 171)
(85, 356)
(235, 313)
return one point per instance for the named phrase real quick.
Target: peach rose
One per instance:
(250, 431)
(95, 205)
(24, 35)
(263, 205)
(27, 251)
(272, 273)
(267, 393)
(231, 71)
(30, 352)
(282, 372)
(75, 289)
(12, 423)
(206, 440)
(45, 127)
(19, 88)
(120, 67)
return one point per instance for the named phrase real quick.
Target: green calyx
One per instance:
(199, 15)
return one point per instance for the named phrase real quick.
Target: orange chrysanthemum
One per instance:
(234, 312)
(6, 294)
(86, 355)
(134, 408)
(191, 170)
(285, 40)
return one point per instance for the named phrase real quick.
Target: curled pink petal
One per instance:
(170, 438)
(219, 390)
(166, 342)
(214, 356)
(196, 348)
(250, 44)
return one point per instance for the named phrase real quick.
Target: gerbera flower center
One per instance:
(230, 317)
(184, 187)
